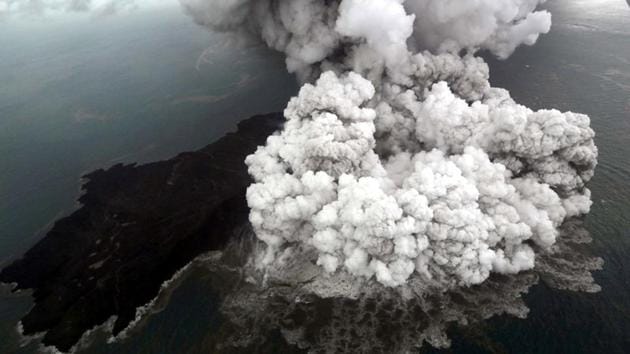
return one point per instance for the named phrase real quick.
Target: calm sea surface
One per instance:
(85, 96)
(88, 93)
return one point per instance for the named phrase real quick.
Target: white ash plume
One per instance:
(448, 213)
(401, 163)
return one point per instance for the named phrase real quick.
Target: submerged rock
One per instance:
(137, 226)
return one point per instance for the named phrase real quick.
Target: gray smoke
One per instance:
(398, 161)
(313, 33)
(497, 25)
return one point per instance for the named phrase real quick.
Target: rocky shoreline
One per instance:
(136, 227)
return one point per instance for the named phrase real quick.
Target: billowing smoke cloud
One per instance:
(497, 25)
(400, 161)
(316, 32)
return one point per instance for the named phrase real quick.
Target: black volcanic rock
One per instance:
(136, 227)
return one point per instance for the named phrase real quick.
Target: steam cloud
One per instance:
(399, 161)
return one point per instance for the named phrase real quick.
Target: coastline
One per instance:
(139, 225)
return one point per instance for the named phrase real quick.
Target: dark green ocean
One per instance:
(80, 96)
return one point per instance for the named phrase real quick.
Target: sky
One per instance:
(64, 10)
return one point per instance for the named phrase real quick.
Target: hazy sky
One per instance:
(28, 10)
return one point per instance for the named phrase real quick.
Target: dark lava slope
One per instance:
(136, 227)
